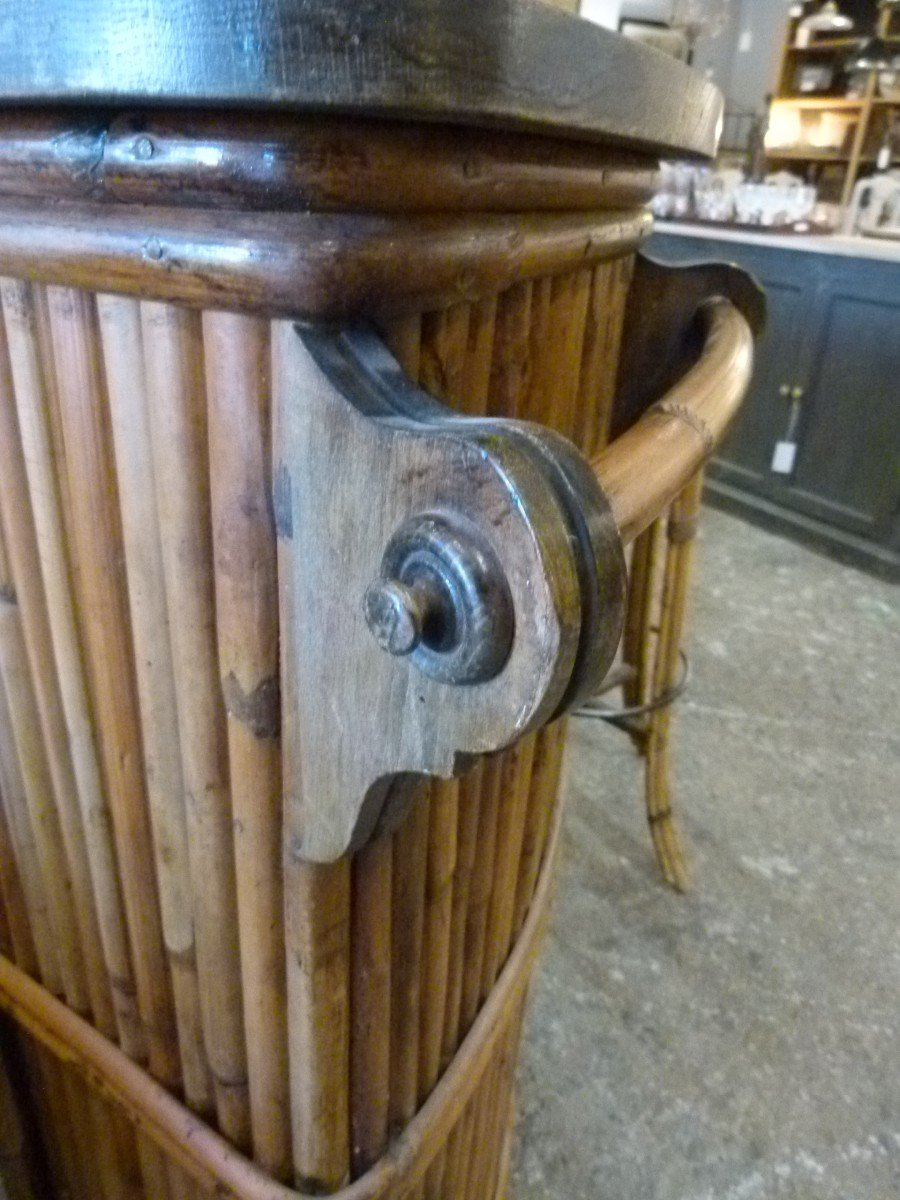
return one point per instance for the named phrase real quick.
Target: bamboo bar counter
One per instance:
(333, 390)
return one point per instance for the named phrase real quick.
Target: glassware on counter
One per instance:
(775, 204)
(723, 196)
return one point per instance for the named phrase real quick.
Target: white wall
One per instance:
(602, 12)
(743, 60)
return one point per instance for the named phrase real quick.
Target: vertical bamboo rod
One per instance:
(407, 925)
(53, 1116)
(317, 940)
(600, 352)
(464, 837)
(36, 545)
(454, 1180)
(480, 891)
(445, 372)
(545, 776)
(18, 1180)
(317, 918)
(515, 777)
(467, 389)
(84, 420)
(511, 368)
(504, 1109)
(578, 405)
(22, 947)
(440, 870)
(181, 1185)
(15, 802)
(79, 1122)
(178, 429)
(51, 1088)
(559, 308)
(370, 1042)
(442, 355)
(372, 940)
(403, 339)
(238, 387)
(132, 1185)
(472, 398)
(106, 1168)
(6, 946)
(486, 1148)
(466, 849)
(50, 1115)
(153, 1170)
(120, 325)
(476, 1150)
(476, 375)
(38, 789)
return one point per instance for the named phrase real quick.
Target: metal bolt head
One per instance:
(442, 598)
(143, 149)
(394, 616)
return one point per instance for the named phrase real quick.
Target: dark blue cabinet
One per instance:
(827, 382)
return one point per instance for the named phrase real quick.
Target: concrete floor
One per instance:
(742, 1042)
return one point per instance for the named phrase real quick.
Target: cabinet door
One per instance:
(789, 280)
(847, 470)
(745, 458)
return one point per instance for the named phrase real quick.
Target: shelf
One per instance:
(826, 45)
(798, 155)
(825, 102)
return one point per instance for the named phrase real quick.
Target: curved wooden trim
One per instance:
(643, 470)
(318, 266)
(507, 64)
(275, 162)
(205, 1154)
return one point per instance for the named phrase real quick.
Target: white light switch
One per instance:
(745, 41)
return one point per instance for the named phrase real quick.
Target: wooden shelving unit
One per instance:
(836, 171)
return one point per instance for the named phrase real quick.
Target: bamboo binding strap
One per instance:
(209, 1157)
(642, 471)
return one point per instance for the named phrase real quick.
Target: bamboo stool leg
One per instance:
(680, 535)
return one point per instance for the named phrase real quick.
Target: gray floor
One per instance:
(743, 1042)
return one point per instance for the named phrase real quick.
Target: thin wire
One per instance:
(597, 710)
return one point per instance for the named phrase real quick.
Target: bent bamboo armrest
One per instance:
(642, 471)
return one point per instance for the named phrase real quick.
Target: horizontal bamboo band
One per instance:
(274, 162)
(205, 1154)
(309, 265)
(643, 470)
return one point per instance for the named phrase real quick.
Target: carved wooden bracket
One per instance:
(447, 584)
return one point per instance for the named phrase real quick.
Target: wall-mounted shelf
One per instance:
(837, 102)
(868, 110)
(827, 46)
(800, 154)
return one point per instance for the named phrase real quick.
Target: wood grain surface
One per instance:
(514, 64)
